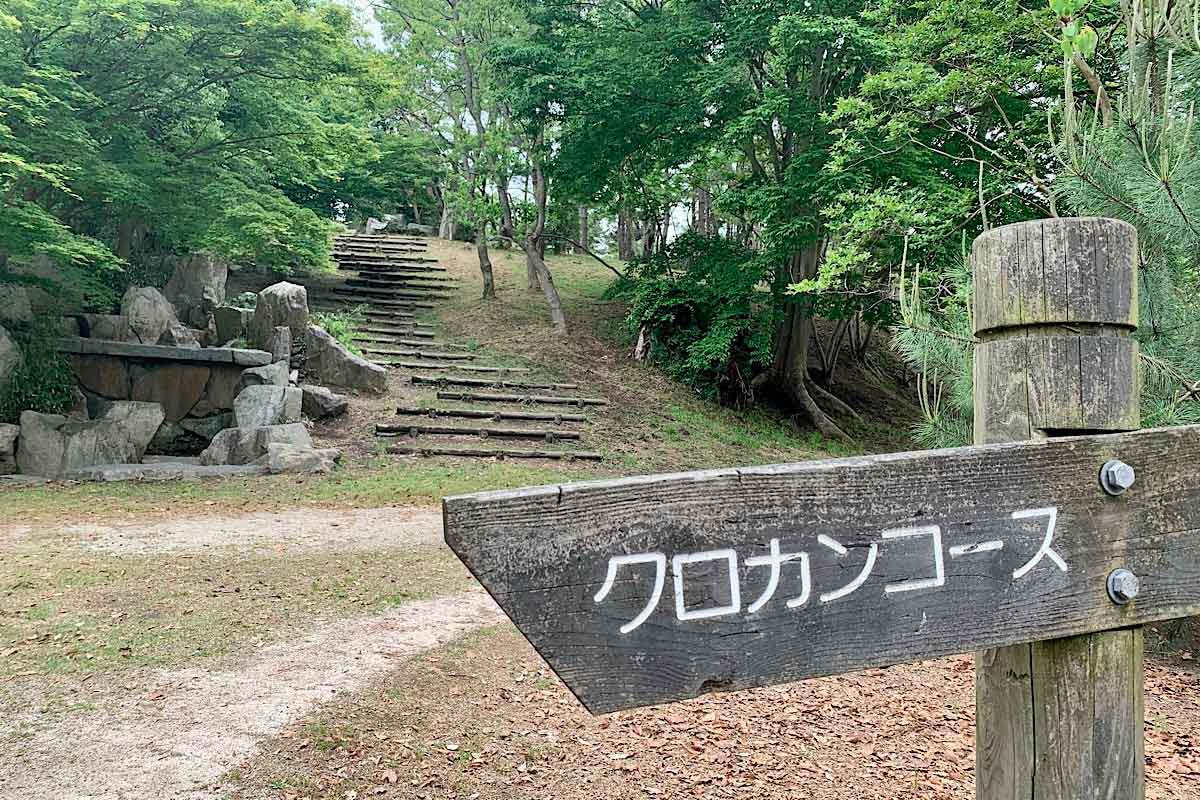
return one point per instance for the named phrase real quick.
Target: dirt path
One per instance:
(300, 529)
(193, 725)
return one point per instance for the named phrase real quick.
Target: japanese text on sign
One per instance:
(799, 563)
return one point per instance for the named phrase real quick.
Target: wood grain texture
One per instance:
(1056, 272)
(1056, 304)
(543, 554)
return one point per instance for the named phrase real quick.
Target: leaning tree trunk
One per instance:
(791, 350)
(447, 226)
(585, 236)
(485, 263)
(536, 266)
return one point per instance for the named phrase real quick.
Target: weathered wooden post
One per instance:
(1055, 310)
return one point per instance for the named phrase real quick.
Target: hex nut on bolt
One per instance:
(1117, 477)
(1123, 586)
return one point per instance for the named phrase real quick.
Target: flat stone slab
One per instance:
(163, 470)
(207, 355)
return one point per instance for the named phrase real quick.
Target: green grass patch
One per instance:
(396, 482)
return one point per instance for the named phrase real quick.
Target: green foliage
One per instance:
(343, 325)
(700, 303)
(133, 129)
(44, 382)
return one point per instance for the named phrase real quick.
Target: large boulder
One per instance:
(331, 363)
(10, 359)
(231, 322)
(321, 403)
(41, 444)
(179, 335)
(281, 304)
(261, 406)
(271, 375)
(8, 448)
(247, 445)
(111, 327)
(197, 288)
(15, 304)
(140, 421)
(281, 344)
(53, 446)
(288, 458)
(147, 313)
(177, 385)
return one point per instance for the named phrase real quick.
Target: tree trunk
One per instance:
(624, 235)
(536, 266)
(791, 348)
(485, 264)
(585, 237)
(703, 220)
(447, 226)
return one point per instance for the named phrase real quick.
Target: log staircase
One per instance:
(460, 405)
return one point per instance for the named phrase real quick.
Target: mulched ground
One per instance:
(486, 720)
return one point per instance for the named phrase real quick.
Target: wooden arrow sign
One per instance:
(643, 590)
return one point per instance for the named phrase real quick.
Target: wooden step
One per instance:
(387, 294)
(388, 281)
(483, 383)
(386, 259)
(422, 429)
(381, 241)
(378, 303)
(483, 413)
(519, 399)
(414, 329)
(557, 455)
(457, 367)
(383, 339)
(410, 353)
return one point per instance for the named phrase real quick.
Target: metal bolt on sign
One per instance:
(1123, 586)
(1117, 477)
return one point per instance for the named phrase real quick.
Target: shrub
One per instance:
(44, 383)
(342, 325)
(700, 303)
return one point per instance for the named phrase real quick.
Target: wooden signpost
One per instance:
(651, 589)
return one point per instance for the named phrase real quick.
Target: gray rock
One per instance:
(140, 420)
(281, 344)
(164, 471)
(420, 230)
(8, 448)
(331, 363)
(260, 406)
(271, 375)
(79, 407)
(112, 327)
(179, 335)
(11, 359)
(197, 288)
(41, 444)
(102, 441)
(15, 304)
(147, 313)
(246, 445)
(282, 304)
(231, 322)
(287, 458)
(177, 386)
(251, 358)
(321, 403)
(8, 440)
(207, 428)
